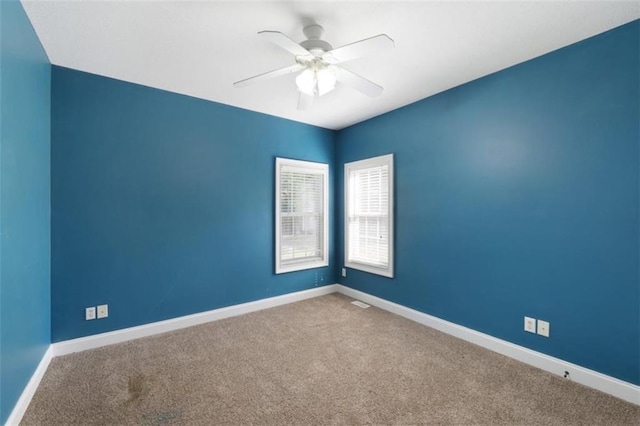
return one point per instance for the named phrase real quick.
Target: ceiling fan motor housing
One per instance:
(313, 43)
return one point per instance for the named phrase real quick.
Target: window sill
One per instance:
(385, 272)
(301, 266)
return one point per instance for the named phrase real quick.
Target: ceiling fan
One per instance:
(317, 61)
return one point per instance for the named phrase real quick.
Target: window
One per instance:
(369, 215)
(302, 226)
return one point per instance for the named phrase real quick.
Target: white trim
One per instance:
(104, 339)
(383, 160)
(126, 334)
(25, 398)
(306, 167)
(610, 385)
(618, 388)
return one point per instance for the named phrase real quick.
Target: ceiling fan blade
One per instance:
(304, 101)
(285, 42)
(359, 83)
(358, 49)
(268, 75)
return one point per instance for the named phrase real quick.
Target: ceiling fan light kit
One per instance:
(317, 63)
(316, 81)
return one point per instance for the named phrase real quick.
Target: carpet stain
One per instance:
(137, 386)
(247, 370)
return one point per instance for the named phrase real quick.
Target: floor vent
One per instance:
(360, 304)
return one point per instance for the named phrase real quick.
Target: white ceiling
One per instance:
(201, 48)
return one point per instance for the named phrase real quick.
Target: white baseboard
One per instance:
(118, 336)
(104, 339)
(23, 402)
(623, 390)
(618, 388)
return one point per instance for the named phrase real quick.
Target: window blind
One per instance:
(369, 215)
(301, 216)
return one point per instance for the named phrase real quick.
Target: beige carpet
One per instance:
(320, 361)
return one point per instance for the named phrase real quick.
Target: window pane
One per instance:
(368, 240)
(370, 243)
(301, 215)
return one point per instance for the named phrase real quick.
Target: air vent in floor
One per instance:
(360, 304)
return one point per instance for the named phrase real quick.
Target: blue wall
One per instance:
(162, 204)
(517, 194)
(24, 204)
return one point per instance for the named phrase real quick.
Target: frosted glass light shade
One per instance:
(326, 81)
(306, 82)
(312, 81)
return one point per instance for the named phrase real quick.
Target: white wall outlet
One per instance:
(530, 324)
(543, 328)
(103, 311)
(344, 272)
(90, 313)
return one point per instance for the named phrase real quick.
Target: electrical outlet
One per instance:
(103, 311)
(90, 313)
(543, 328)
(344, 272)
(530, 324)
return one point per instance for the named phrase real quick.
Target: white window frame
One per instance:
(383, 160)
(310, 168)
